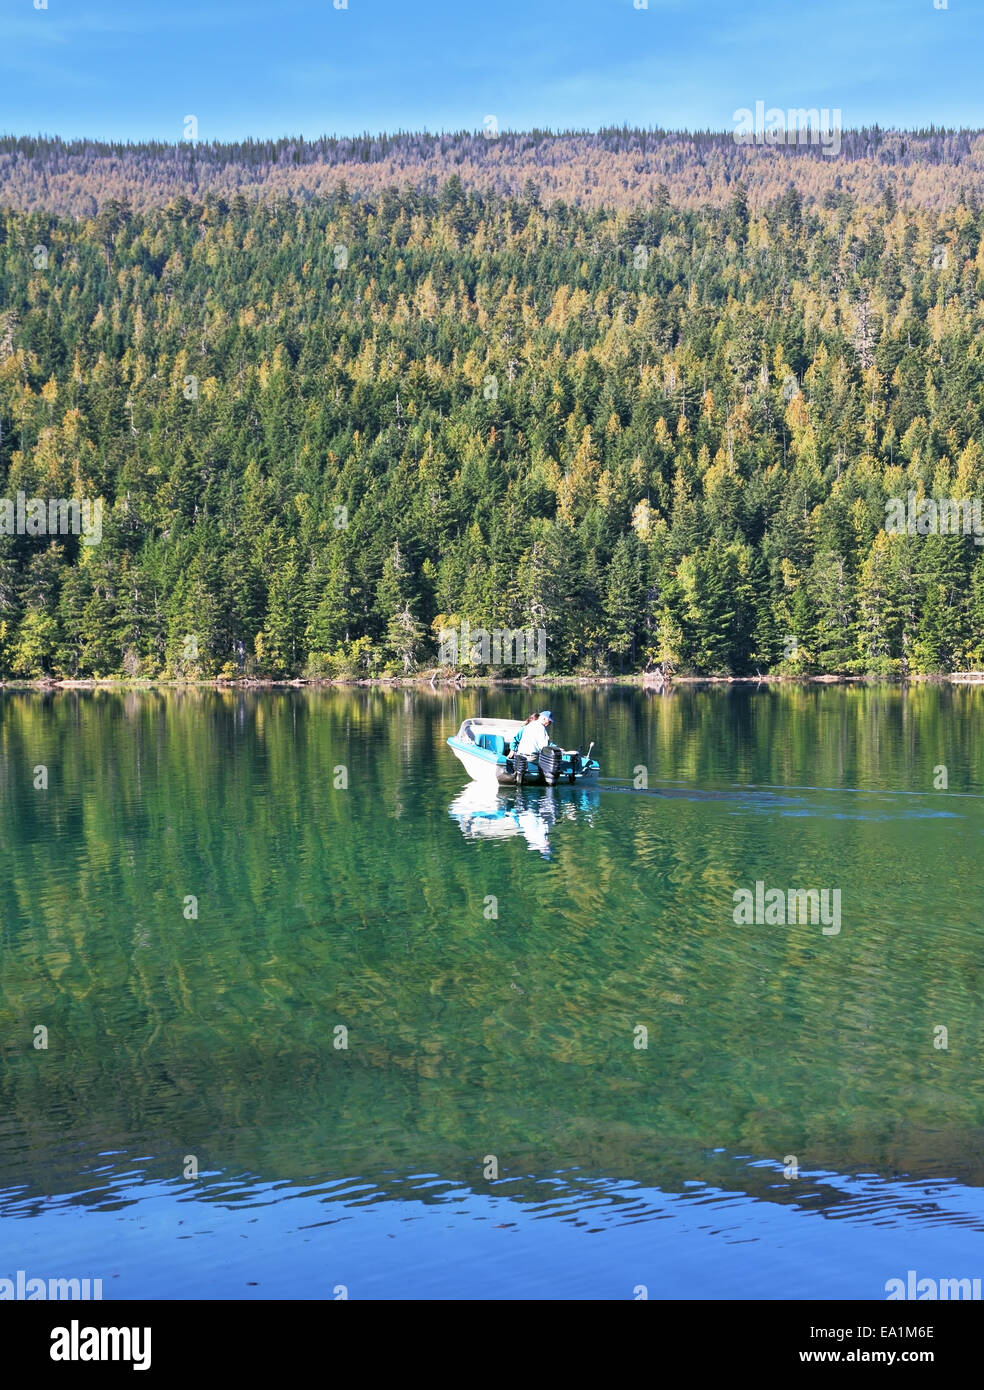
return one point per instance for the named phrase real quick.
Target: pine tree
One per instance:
(623, 596)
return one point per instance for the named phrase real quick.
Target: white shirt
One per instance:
(534, 737)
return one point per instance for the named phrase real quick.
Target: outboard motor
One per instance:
(550, 760)
(519, 767)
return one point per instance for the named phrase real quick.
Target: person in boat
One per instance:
(534, 736)
(520, 732)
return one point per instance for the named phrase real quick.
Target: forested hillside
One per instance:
(619, 167)
(326, 427)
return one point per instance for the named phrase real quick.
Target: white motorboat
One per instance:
(484, 749)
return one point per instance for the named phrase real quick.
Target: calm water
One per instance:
(491, 961)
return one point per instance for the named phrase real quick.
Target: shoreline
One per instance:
(428, 682)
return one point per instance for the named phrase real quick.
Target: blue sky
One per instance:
(134, 69)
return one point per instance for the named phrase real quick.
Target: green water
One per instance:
(492, 964)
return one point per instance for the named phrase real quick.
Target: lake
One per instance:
(290, 1009)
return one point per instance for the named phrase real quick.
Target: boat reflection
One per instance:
(497, 813)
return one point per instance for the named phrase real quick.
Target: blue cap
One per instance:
(545, 716)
